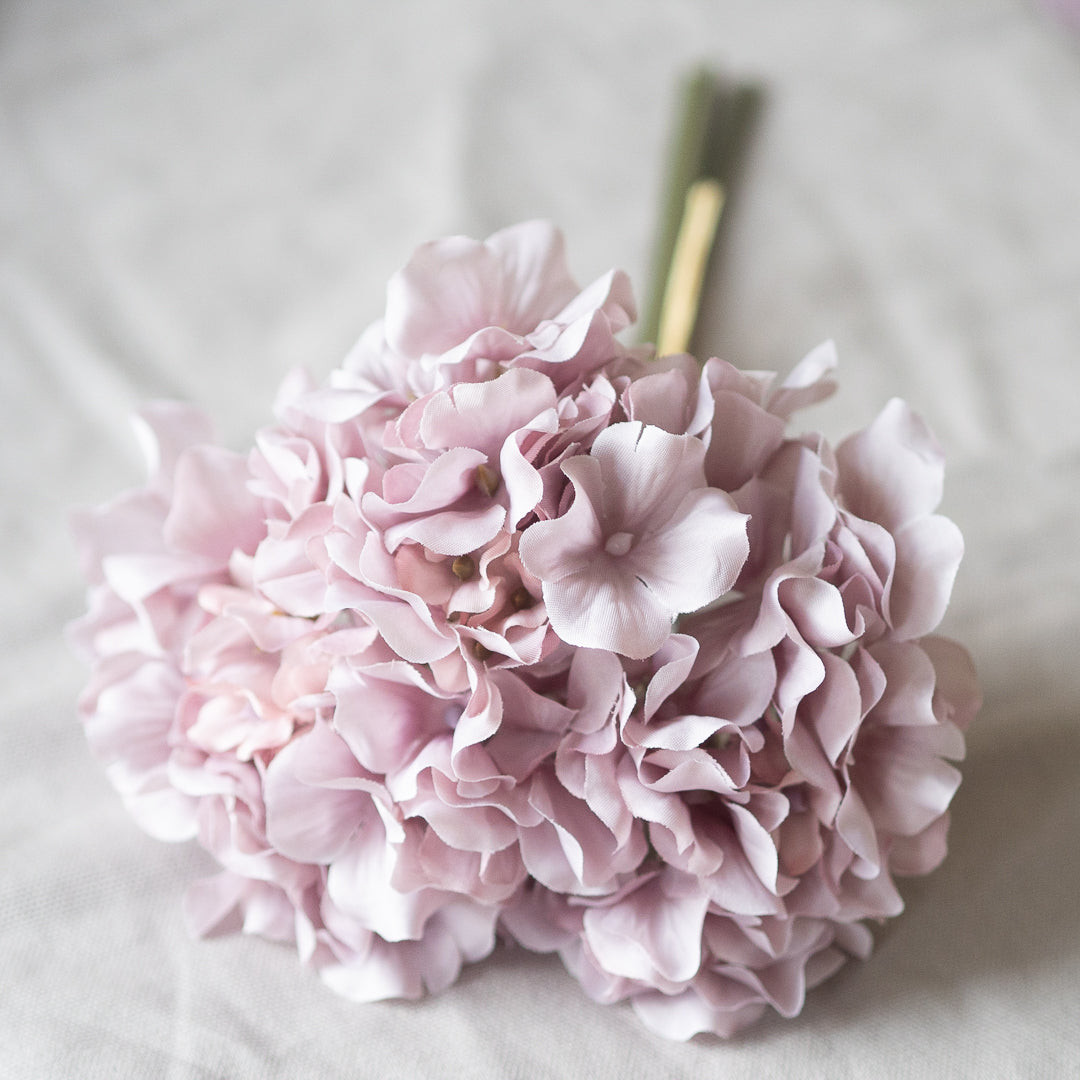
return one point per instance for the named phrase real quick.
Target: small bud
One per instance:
(464, 567)
(521, 598)
(487, 480)
(619, 544)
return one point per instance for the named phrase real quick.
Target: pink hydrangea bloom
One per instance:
(508, 628)
(644, 540)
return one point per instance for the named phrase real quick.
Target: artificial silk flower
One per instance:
(643, 540)
(508, 629)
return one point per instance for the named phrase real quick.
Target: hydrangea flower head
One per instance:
(508, 629)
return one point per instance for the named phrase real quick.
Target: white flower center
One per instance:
(619, 543)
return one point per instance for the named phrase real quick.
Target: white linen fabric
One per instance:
(197, 196)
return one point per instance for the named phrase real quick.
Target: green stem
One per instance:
(711, 135)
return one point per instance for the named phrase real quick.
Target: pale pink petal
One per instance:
(807, 383)
(617, 614)
(893, 471)
(928, 554)
(648, 934)
(213, 513)
(483, 415)
(697, 557)
(312, 809)
(647, 472)
(742, 438)
(455, 286)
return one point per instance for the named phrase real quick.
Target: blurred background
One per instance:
(197, 197)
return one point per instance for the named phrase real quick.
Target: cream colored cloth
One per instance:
(197, 196)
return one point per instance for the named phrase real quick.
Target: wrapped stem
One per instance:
(711, 137)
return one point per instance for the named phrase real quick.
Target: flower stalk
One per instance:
(715, 124)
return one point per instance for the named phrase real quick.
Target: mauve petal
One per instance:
(572, 851)
(671, 827)
(569, 353)
(689, 771)
(384, 715)
(610, 295)
(482, 415)
(550, 550)
(669, 400)
(856, 828)
(603, 795)
(383, 971)
(269, 912)
(718, 375)
(682, 1016)
(673, 661)
(402, 618)
(478, 722)
(286, 573)
(452, 287)
(923, 852)
(757, 844)
(835, 708)
(305, 820)
(649, 934)
(596, 689)
(699, 554)
(743, 436)
(799, 843)
(420, 489)
(445, 292)
(536, 279)
(772, 623)
(817, 610)
(647, 472)
(540, 920)
(928, 554)
(475, 359)
(489, 877)
(209, 902)
(531, 729)
(893, 471)
(871, 898)
(682, 734)
(813, 501)
(358, 883)
(450, 532)
(438, 958)
(212, 512)
(471, 928)
(464, 824)
(736, 887)
(957, 697)
(137, 578)
(128, 708)
(617, 613)
(782, 985)
(903, 782)
(740, 690)
(524, 485)
(907, 696)
(126, 525)
(405, 632)
(807, 383)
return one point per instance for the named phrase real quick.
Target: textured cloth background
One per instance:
(197, 196)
